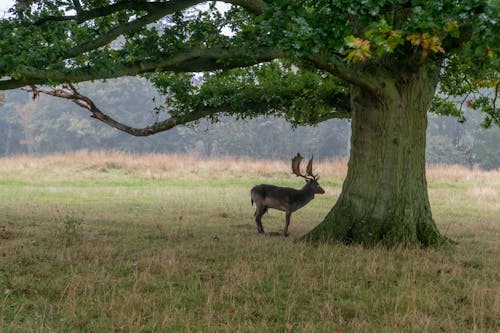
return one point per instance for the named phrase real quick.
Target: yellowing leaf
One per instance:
(414, 39)
(435, 45)
(358, 49)
(426, 42)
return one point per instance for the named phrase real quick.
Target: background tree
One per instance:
(377, 62)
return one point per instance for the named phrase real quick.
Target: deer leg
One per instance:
(287, 223)
(258, 218)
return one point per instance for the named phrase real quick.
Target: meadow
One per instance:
(112, 242)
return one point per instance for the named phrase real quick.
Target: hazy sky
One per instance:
(5, 4)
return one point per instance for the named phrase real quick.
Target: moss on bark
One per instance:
(384, 196)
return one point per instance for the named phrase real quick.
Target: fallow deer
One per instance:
(285, 199)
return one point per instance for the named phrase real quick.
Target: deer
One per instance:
(285, 199)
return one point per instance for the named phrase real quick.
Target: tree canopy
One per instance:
(290, 58)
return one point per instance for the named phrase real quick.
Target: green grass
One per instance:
(120, 249)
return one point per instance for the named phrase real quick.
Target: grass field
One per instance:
(105, 242)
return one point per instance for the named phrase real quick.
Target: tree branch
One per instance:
(245, 99)
(71, 93)
(156, 11)
(255, 7)
(86, 103)
(339, 68)
(192, 60)
(85, 15)
(166, 8)
(78, 6)
(495, 98)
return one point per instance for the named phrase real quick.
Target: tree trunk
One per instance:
(384, 196)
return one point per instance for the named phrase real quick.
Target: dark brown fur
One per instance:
(285, 199)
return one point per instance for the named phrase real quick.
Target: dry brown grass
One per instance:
(460, 173)
(161, 164)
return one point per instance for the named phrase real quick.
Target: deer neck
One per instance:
(307, 192)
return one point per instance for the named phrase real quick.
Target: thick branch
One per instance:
(192, 60)
(153, 16)
(156, 10)
(188, 60)
(245, 100)
(255, 7)
(150, 7)
(78, 6)
(347, 73)
(87, 103)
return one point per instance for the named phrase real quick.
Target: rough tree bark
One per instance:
(384, 196)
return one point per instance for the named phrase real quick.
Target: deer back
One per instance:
(284, 198)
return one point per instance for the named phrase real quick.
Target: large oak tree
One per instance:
(382, 63)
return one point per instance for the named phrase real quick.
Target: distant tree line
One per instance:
(50, 125)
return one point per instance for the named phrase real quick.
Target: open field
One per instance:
(103, 242)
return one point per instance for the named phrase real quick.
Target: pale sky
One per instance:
(5, 5)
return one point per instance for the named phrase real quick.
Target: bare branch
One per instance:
(86, 103)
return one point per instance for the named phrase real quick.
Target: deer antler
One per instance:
(296, 165)
(309, 169)
(296, 168)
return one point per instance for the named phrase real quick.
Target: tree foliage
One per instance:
(322, 47)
